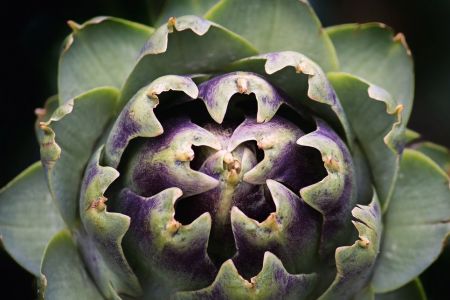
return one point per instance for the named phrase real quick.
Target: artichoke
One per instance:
(245, 152)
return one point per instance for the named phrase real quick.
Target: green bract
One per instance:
(245, 153)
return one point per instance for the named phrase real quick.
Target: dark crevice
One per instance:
(170, 99)
(302, 120)
(221, 240)
(190, 208)
(240, 106)
(252, 145)
(314, 170)
(201, 153)
(258, 204)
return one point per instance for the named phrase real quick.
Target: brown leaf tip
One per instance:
(400, 37)
(40, 112)
(99, 203)
(171, 23)
(364, 242)
(73, 25)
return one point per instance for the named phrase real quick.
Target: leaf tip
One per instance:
(74, 25)
(363, 242)
(171, 22)
(400, 38)
(40, 112)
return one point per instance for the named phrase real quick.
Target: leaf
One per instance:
(302, 80)
(416, 223)
(67, 142)
(439, 154)
(412, 291)
(176, 8)
(273, 282)
(371, 51)
(186, 45)
(28, 217)
(333, 196)
(137, 118)
(277, 26)
(101, 240)
(100, 52)
(64, 272)
(377, 124)
(355, 263)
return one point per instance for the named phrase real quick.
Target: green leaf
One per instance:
(371, 51)
(137, 118)
(186, 45)
(416, 223)
(68, 141)
(377, 124)
(277, 25)
(363, 176)
(64, 272)
(101, 242)
(100, 52)
(176, 8)
(44, 114)
(28, 217)
(411, 136)
(411, 291)
(302, 80)
(355, 263)
(439, 154)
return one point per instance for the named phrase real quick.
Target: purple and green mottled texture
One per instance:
(333, 196)
(239, 160)
(164, 161)
(355, 263)
(292, 233)
(273, 282)
(167, 255)
(102, 232)
(138, 119)
(240, 181)
(217, 92)
(285, 161)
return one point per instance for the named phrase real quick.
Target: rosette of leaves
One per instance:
(245, 152)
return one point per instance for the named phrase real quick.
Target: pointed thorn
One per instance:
(364, 242)
(40, 112)
(249, 284)
(331, 163)
(272, 222)
(400, 37)
(266, 143)
(99, 203)
(171, 23)
(43, 125)
(228, 158)
(242, 85)
(173, 226)
(399, 108)
(74, 25)
(185, 155)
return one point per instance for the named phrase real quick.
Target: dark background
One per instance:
(32, 32)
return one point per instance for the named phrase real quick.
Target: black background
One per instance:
(32, 32)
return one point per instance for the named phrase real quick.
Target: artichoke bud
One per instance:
(224, 191)
(239, 155)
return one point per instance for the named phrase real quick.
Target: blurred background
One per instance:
(32, 32)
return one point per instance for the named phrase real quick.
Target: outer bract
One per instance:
(236, 151)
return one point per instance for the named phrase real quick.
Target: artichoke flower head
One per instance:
(235, 150)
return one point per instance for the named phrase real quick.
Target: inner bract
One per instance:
(219, 165)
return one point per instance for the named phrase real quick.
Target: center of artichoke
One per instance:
(221, 166)
(237, 164)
